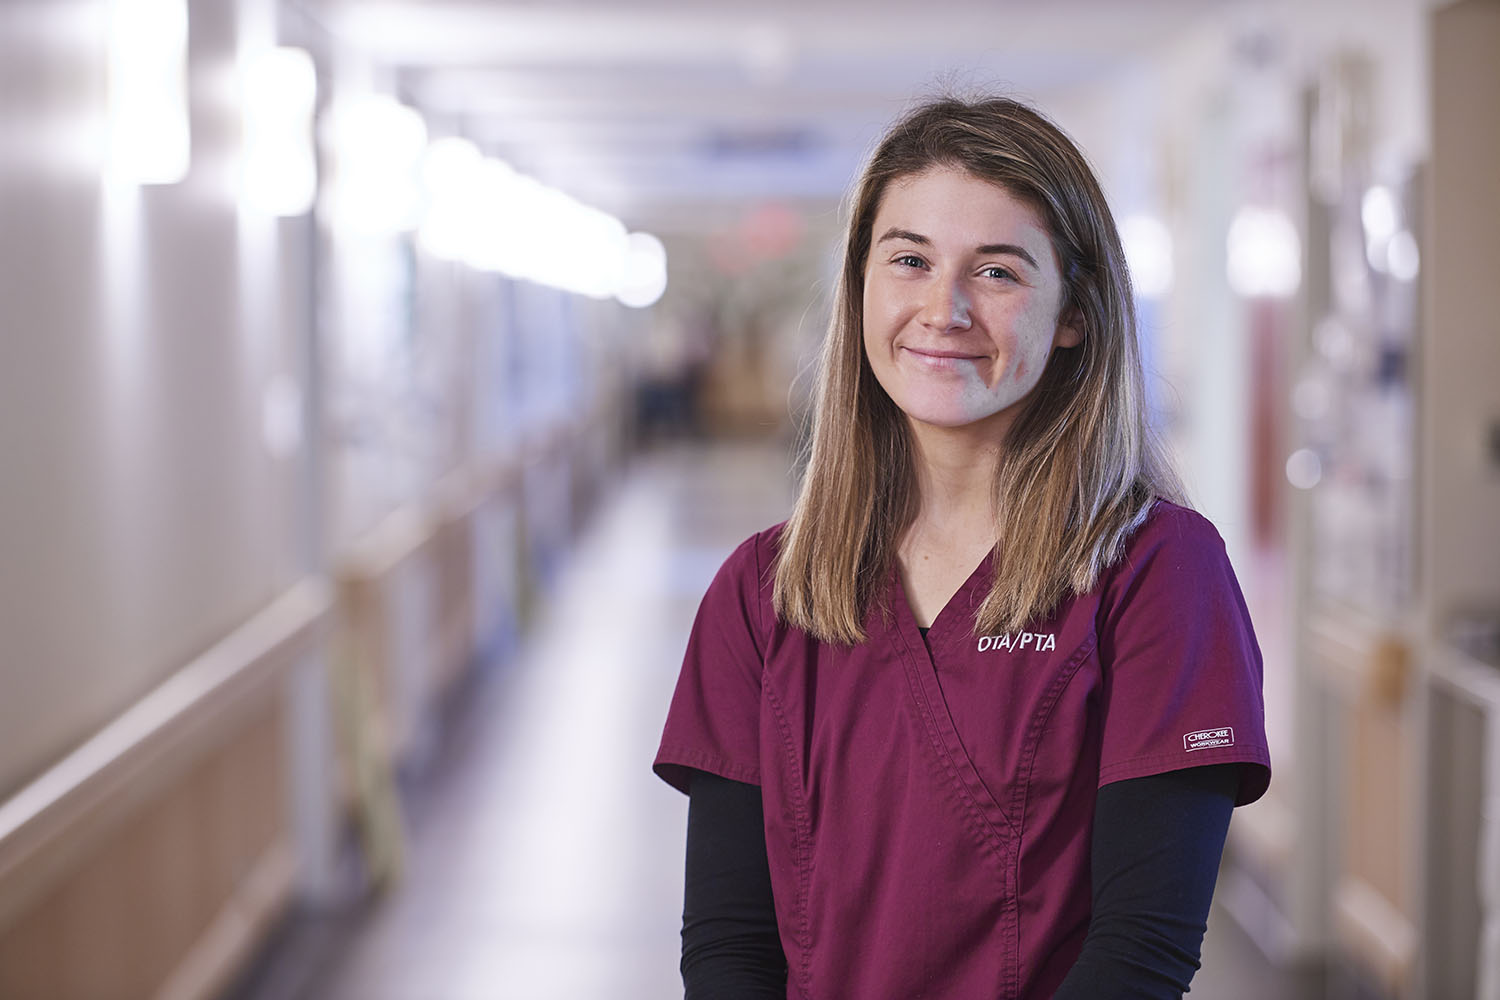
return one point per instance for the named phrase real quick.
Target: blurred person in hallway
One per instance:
(973, 721)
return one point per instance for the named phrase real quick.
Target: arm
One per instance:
(1155, 857)
(731, 949)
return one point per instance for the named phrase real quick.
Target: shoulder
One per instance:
(1174, 576)
(1174, 549)
(1171, 529)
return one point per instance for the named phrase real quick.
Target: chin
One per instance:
(946, 418)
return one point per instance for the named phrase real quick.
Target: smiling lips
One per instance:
(940, 358)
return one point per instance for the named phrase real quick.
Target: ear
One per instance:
(1069, 328)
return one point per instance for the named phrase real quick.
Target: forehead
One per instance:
(950, 204)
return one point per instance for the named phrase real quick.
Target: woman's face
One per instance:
(961, 301)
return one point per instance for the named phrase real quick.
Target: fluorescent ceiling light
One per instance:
(645, 271)
(280, 162)
(376, 145)
(148, 99)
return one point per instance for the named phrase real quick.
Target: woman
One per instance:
(912, 777)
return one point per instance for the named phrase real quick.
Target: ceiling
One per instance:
(675, 115)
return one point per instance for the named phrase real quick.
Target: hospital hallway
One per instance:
(382, 383)
(545, 857)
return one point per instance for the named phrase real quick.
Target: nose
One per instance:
(945, 305)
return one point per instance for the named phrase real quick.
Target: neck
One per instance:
(955, 477)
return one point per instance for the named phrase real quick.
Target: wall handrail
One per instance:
(49, 822)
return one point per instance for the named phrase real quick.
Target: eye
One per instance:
(996, 271)
(909, 260)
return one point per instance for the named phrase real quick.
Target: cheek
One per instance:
(1034, 346)
(872, 356)
(1033, 355)
(877, 323)
(868, 308)
(874, 304)
(1012, 348)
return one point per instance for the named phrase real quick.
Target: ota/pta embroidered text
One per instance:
(1039, 641)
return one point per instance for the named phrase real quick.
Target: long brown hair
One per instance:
(1081, 466)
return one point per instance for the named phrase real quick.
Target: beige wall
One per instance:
(142, 515)
(1462, 358)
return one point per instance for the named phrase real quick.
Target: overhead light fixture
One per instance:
(280, 161)
(583, 250)
(451, 172)
(148, 98)
(376, 145)
(480, 211)
(645, 271)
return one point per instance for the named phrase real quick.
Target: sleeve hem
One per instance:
(1253, 783)
(673, 764)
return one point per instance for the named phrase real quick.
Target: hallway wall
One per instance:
(144, 513)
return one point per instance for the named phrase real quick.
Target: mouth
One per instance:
(940, 357)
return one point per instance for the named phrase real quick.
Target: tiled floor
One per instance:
(546, 859)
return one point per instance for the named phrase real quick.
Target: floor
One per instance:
(545, 860)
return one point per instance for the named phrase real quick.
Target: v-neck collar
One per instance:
(960, 604)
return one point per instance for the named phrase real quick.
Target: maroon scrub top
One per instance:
(929, 805)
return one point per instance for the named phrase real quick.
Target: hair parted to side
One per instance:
(1081, 466)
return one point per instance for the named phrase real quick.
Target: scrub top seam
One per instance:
(1040, 718)
(1003, 851)
(801, 823)
(802, 845)
(992, 842)
(923, 695)
(1022, 794)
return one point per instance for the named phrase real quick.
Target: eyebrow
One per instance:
(1011, 249)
